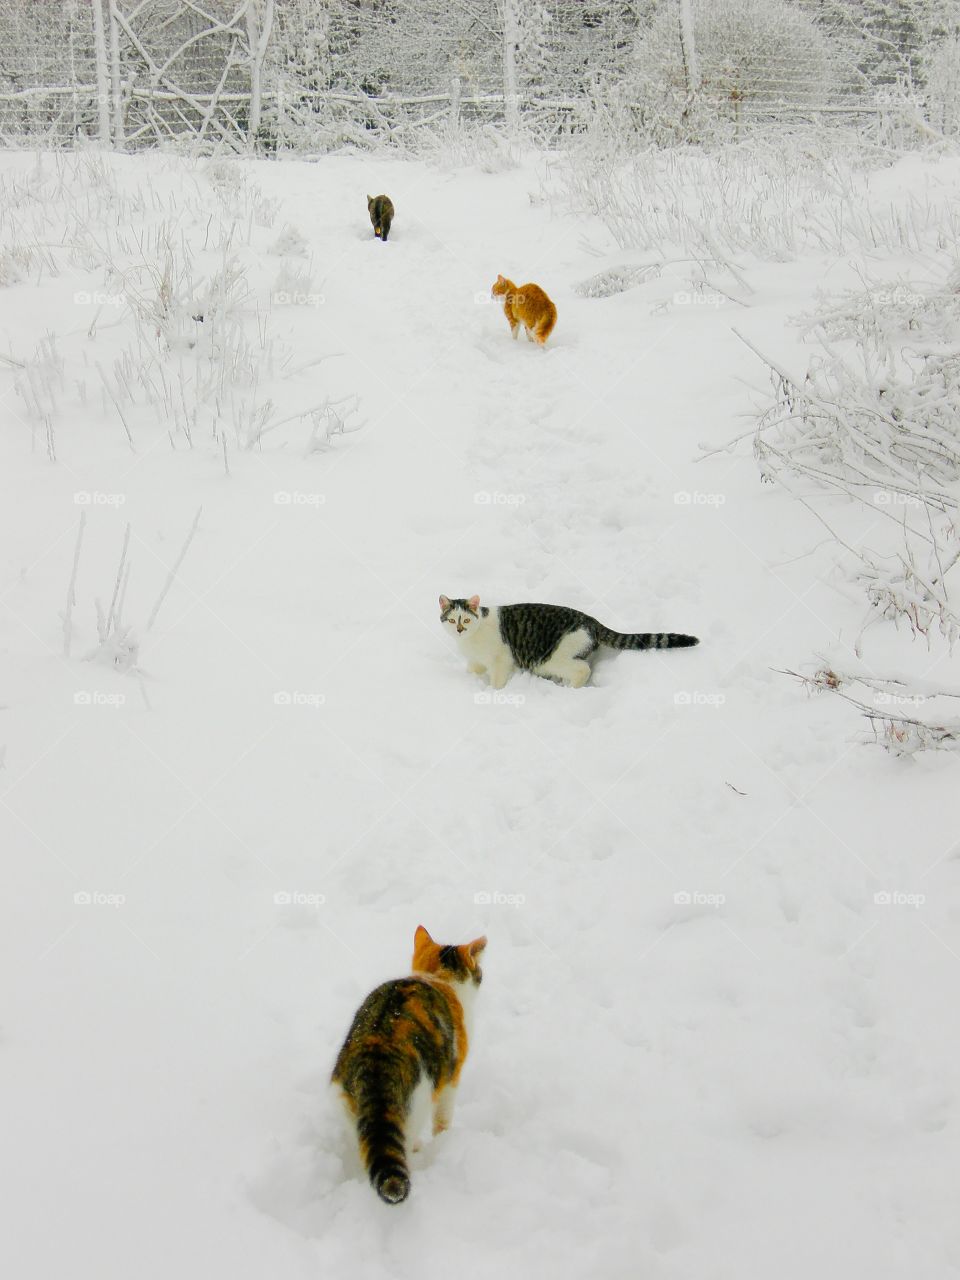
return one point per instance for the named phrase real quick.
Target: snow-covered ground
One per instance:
(704, 1048)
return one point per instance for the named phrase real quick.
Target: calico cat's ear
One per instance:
(444, 605)
(421, 938)
(475, 948)
(474, 603)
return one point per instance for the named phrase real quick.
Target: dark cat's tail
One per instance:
(643, 639)
(383, 1147)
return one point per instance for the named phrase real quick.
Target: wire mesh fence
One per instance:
(310, 74)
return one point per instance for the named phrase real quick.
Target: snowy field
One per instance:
(705, 1048)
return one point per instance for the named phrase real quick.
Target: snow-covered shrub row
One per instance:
(176, 286)
(876, 417)
(773, 200)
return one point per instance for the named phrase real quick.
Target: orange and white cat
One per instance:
(526, 305)
(403, 1056)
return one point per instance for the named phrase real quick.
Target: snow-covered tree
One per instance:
(751, 54)
(940, 66)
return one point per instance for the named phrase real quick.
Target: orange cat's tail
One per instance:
(544, 326)
(380, 1128)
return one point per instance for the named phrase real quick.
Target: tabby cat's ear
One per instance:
(499, 279)
(474, 603)
(444, 602)
(476, 947)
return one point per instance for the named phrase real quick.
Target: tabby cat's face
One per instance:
(452, 963)
(460, 615)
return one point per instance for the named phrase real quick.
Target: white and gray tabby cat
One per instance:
(548, 639)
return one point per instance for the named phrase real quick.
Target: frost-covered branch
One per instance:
(171, 576)
(893, 729)
(72, 588)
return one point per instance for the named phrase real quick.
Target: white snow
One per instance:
(702, 1049)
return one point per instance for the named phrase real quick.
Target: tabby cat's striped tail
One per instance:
(643, 639)
(384, 1149)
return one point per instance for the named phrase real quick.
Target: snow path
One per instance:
(759, 1080)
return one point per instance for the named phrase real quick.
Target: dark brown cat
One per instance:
(380, 209)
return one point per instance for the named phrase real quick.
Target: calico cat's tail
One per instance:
(643, 639)
(384, 1149)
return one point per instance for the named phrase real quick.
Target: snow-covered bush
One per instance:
(118, 643)
(172, 304)
(875, 419)
(614, 280)
(879, 422)
(486, 147)
(290, 243)
(772, 198)
(15, 263)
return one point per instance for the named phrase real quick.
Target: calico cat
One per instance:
(548, 639)
(380, 209)
(405, 1050)
(527, 305)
